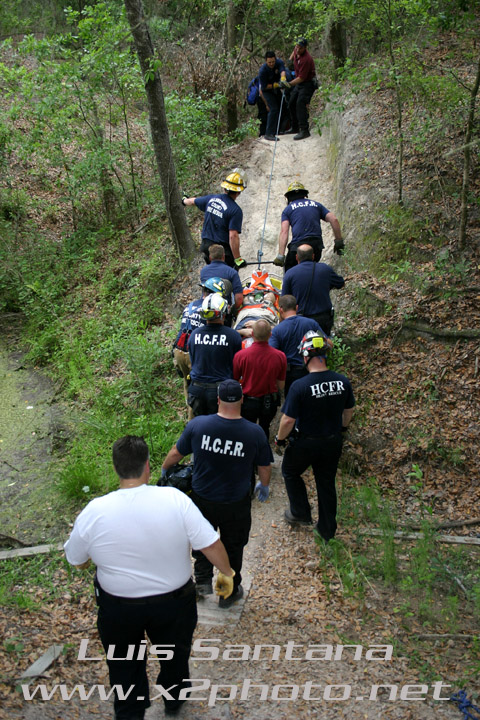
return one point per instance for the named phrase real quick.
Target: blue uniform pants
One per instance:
(272, 98)
(322, 454)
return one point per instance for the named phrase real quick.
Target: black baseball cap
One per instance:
(230, 391)
(302, 42)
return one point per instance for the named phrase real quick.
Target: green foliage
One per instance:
(29, 581)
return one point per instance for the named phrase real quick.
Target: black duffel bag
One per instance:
(178, 476)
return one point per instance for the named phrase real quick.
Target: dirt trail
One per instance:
(303, 160)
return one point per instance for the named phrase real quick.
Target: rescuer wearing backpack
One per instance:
(212, 348)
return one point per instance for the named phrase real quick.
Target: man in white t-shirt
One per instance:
(139, 537)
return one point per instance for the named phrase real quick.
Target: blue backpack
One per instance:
(253, 91)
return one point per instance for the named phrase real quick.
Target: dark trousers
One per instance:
(325, 320)
(272, 98)
(168, 621)
(322, 454)
(203, 399)
(233, 522)
(299, 99)
(205, 244)
(261, 410)
(262, 116)
(294, 373)
(291, 257)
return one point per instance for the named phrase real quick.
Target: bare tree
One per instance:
(159, 128)
(467, 159)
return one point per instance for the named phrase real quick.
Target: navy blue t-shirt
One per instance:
(191, 317)
(317, 402)
(297, 281)
(225, 453)
(222, 214)
(211, 349)
(268, 75)
(288, 334)
(217, 268)
(304, 216)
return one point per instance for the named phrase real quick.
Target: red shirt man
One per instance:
(261, 369)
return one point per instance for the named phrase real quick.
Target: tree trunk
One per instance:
(467, 159)
(233, 18)
(338, 43)
(159, 128)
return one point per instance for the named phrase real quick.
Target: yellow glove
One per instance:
(276, 86)
(224, 584)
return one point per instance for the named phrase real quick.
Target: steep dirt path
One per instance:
(303, 160)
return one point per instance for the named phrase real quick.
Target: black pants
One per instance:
(261, 410)
(170, 620)
(324, 319)
(262, 116)
(291, 259)
(205, 244)
(300, 97)
(233, 522)
(322, 454)
(202, 399)
(294, 373)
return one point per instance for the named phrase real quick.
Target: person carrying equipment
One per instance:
(223, 218)
(304, 216)
(226, 448)
(217, 267)
(287, 336)
(318, 409)
(270, 75)
(261, 370)
(310, 283)
(211, 348)
(191, 319)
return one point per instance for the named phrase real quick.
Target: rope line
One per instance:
(461, 699)
(260, 251)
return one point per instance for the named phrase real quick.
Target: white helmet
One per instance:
(214, 306)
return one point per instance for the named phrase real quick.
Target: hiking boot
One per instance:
(272, 138)
(302, 135)
(226, 602)
(202, 589)
(292, 520)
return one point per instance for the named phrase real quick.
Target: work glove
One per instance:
(284, 83)
(184, 197)
(276, 86)
(338, 246)
(279, 260)
(224, 585)
(262, 491)
(240, 262)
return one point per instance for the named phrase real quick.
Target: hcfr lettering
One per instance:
(333, 387)
(222, 447)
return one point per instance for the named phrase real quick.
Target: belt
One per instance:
(273, 395)
(150, 599)
(207, 385)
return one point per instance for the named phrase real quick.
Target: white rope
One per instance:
(260, 251)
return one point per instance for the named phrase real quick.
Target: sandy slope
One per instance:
(303, 160)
